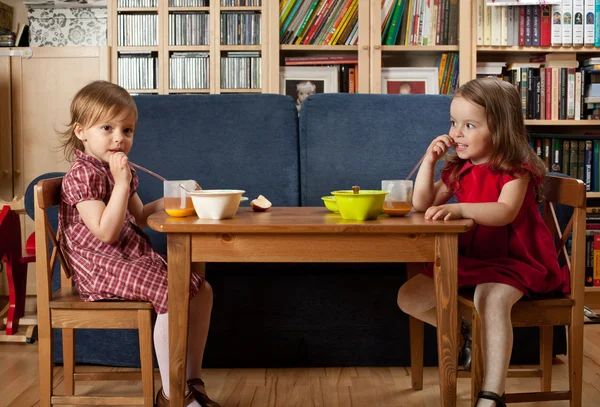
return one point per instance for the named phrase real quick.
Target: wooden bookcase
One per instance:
(163, 50)
(369, 49)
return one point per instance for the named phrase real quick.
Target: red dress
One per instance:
(520, 254)
(127, 269)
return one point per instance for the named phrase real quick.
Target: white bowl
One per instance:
(217, 203)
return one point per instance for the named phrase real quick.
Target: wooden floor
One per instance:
(314, 387)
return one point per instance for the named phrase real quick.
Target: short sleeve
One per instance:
(83, 184)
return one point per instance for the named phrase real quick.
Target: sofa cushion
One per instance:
(247, 142)
(348, 140)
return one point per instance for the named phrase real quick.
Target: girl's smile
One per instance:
(469, 130)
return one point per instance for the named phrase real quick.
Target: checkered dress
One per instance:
(127, 269)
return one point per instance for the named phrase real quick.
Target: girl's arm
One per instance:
(105, 221)
(141, 212)
(499, 213)
(428, 193)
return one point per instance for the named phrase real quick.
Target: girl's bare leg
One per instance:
(494, 302)
(416, 297)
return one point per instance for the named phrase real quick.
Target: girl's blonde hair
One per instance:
(511, 150)
(99, 100)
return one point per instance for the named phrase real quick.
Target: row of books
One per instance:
(241, 70)
(318, 22)
(241, 3)
(574, 155)
(140, 3)
(419, 22)
(188, 3)
(189, 70)
(138, 70)
(447, 65)
(564, 23)
(189, 28)
(240, 28)
(137, 30)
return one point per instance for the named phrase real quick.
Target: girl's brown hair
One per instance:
(99, 100)
(511, 150)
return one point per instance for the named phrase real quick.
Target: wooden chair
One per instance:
(64, 310)
(545, 313)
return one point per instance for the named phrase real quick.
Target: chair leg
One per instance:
(477, 369)
(417, 336)
(46, 364)
(146, 361)
(546, 342)
(575, 349)
(68, 341)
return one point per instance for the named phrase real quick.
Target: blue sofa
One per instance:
(278, 315)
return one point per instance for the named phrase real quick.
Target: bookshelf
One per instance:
(194, 46)
(488, 53)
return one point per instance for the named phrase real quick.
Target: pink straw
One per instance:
(147, 170)
(416, 166)
(419, 163)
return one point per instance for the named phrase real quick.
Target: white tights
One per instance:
(493, 302)
(199, 317)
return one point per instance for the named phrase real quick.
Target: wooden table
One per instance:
(311, 234)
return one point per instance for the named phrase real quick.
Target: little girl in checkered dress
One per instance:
(101, 216)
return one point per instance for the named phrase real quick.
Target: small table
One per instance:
(311, 234)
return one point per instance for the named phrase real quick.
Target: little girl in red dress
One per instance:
(494, 175)
(100, 219)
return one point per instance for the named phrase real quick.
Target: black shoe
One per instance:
(465, 353)
(488, 395)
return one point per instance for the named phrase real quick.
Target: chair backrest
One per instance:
(47, 195)
(569, 192)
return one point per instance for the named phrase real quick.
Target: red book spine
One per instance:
(522, 17)
(545, 27)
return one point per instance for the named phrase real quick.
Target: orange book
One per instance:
(596, 260)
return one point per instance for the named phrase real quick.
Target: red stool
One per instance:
(16, 270)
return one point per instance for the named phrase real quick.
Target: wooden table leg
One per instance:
(179, 264)
(446, 287)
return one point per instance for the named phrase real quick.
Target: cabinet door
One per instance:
(42, 89)
(6, 171)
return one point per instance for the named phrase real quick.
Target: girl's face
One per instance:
(470, 132)
(108, 136)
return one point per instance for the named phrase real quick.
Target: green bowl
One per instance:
(367, 204)
(330, 203)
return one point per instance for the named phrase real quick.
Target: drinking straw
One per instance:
(147, 170)
(416, 166)
(419, 163)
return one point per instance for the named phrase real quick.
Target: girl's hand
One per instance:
(444, 212)
(438, 148)
(119, 169)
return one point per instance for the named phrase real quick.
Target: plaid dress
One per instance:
(127, 269)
